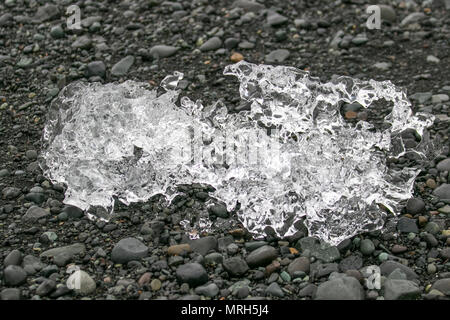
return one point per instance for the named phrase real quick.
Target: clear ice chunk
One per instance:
(291, 156)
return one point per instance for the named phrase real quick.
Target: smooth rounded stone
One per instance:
(299, 264)
(231, 43)
(121, 68)
(96, 68)
(396, 249)
(445, 253)
(81, 282)
(128, 249)
(253, 245)
(431, 268)
(274, 19)
(35, 213)
(430, 239)
(382, 66)
(274, 290)
(57, 32)
(10, 294)
(394, 289)
(14, 275)
(83, 42)
(62, 259)
(73, 212)
(211, 44)
(14, 258)
(407, 225)
(46, 287)
(442, 285)
(4, 173)
(179, 249)
(444, 165)
(155, 284)
(70, 250)
(6, 19)
(60, 291)
(46, 13)
(433, 59)
(203, 245)
(360, 39)
(387, 13)
(192, 273)
(248, 5)
(162, 51)
(278, 55)
(415, 206)
(213, 258)
(32, 264)
(412, 18)
(37, 198)
(219, 210)
(439, 98)
(389, 266)
(235, 266)
(366, 247)
(210, 290)
(242, 292)
(31, 154)
(353, 262)
(432, 228)
(262, 256)
(340, 288)
(10, 193)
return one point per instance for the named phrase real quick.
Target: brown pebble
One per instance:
(422, 221)
(274, 266)
(178, 249)
(351, 115)
(431, 183)
(236, 57)
(144, 279)
(398, 249)
(107, 280)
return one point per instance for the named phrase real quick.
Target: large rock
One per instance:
(46, 13)
(162, 51)
(14, 258)
(10, 294)
(204, 245)
(400, 290)
(444, 165)
(340, 287)
(14, 275)
(128, 249)
(235, 266)
(35, 213)
(262, 256)
(299, 264)
(70, 250)
(387, 267)
(192, 273)
(442, 285)
(212, 44)
(121, 68)
(407, 225)
(443, 191)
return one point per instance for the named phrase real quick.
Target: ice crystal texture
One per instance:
(291, 156)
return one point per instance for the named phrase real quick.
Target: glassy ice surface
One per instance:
(291, 156)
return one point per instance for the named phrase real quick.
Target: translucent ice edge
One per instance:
(291, 156)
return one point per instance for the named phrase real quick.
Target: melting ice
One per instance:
(292, 156)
